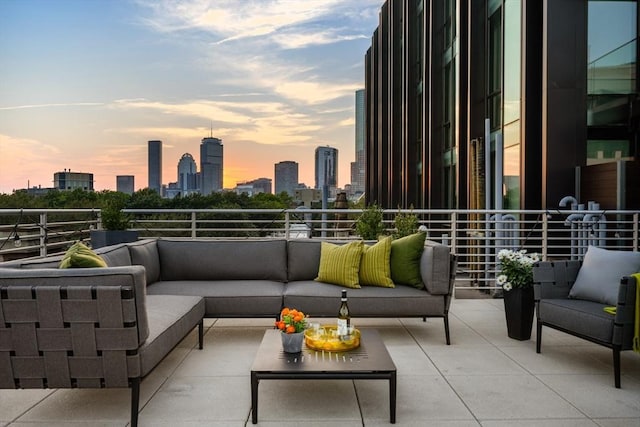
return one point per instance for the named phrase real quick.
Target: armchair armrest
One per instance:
(554, 279)
(623, 328)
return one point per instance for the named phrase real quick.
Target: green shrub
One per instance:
(369, 224)
(405, 223)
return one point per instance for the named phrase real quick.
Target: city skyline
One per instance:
(87, 84)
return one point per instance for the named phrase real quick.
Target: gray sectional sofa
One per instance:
(163, 289)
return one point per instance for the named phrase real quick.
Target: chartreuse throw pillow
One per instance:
(339, 264)
(80, 256)
(405, 260)
(375, 269)
(600, 273)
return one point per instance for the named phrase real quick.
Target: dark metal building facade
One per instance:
(541, 77)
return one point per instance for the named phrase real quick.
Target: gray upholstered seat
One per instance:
(584, 319)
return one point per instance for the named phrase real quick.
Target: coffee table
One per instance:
(370, 361)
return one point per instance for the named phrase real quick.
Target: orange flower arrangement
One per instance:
(291, 321)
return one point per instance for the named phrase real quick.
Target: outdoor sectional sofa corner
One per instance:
(109, 327)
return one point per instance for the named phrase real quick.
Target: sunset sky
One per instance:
(84, 84)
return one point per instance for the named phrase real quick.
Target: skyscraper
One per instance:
(326, 168)
(155, 166)
(187, 174)
(211, 165)
(125, 184)
(286, 177)
(358, 167)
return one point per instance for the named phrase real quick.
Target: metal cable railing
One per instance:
(475, 236)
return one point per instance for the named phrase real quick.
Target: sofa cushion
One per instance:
(580, 316)
(303, 258)
(228, 298)
(321, 299)
(80, 256)
(115, 256)
(436, 264)
(171, 318)
(340, 264)
(223, 260)
(599, 276)
(145, 253)
(405, 260)
(375, 269)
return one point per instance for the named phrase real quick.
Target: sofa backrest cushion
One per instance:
(223, 259)
(599, 277)
(435, 268)
(132, 276)
(145, 253)
(115, 256)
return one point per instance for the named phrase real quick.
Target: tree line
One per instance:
(143, 199)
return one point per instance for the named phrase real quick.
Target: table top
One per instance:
(371, 356)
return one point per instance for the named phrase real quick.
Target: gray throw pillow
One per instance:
(599, 276)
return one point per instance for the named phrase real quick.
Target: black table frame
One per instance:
(371, 361)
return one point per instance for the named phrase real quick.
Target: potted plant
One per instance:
(292, 324)
(114, 223)
(369, 224)
(406, 224)
(516, 280)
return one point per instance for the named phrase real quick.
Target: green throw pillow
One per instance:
(375, 269)
(80, 256)
(339, 264)
(405, 260)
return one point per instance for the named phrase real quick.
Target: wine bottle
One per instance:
(344, 319)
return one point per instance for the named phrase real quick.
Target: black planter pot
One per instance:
(518, 309)
(100, 238)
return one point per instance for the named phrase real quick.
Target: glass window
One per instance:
(612, 48)
(611, 78)
(512, 60)
(494, 83)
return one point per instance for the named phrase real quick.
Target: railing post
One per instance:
(287, 225)
(193, 225)
(43, 234)
(454, 231)
(635, 231)
(545, 237)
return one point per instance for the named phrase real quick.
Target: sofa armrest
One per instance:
(554, 279)
(67, 336)
(623, 328)
(437, 268)
(130, 276)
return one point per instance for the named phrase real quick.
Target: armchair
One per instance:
(557, 309)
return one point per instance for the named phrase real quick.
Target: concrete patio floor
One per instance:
(482, 379)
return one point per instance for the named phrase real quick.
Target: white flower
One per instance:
(501, 279)
(507, 286)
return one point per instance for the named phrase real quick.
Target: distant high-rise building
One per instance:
(326, 167)
(68, 180)
(358, 167)
(262, 185)
(256, 186)
(286, 177)
(155, 166)
(211, 165)
(125, 184)
(187, 174)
